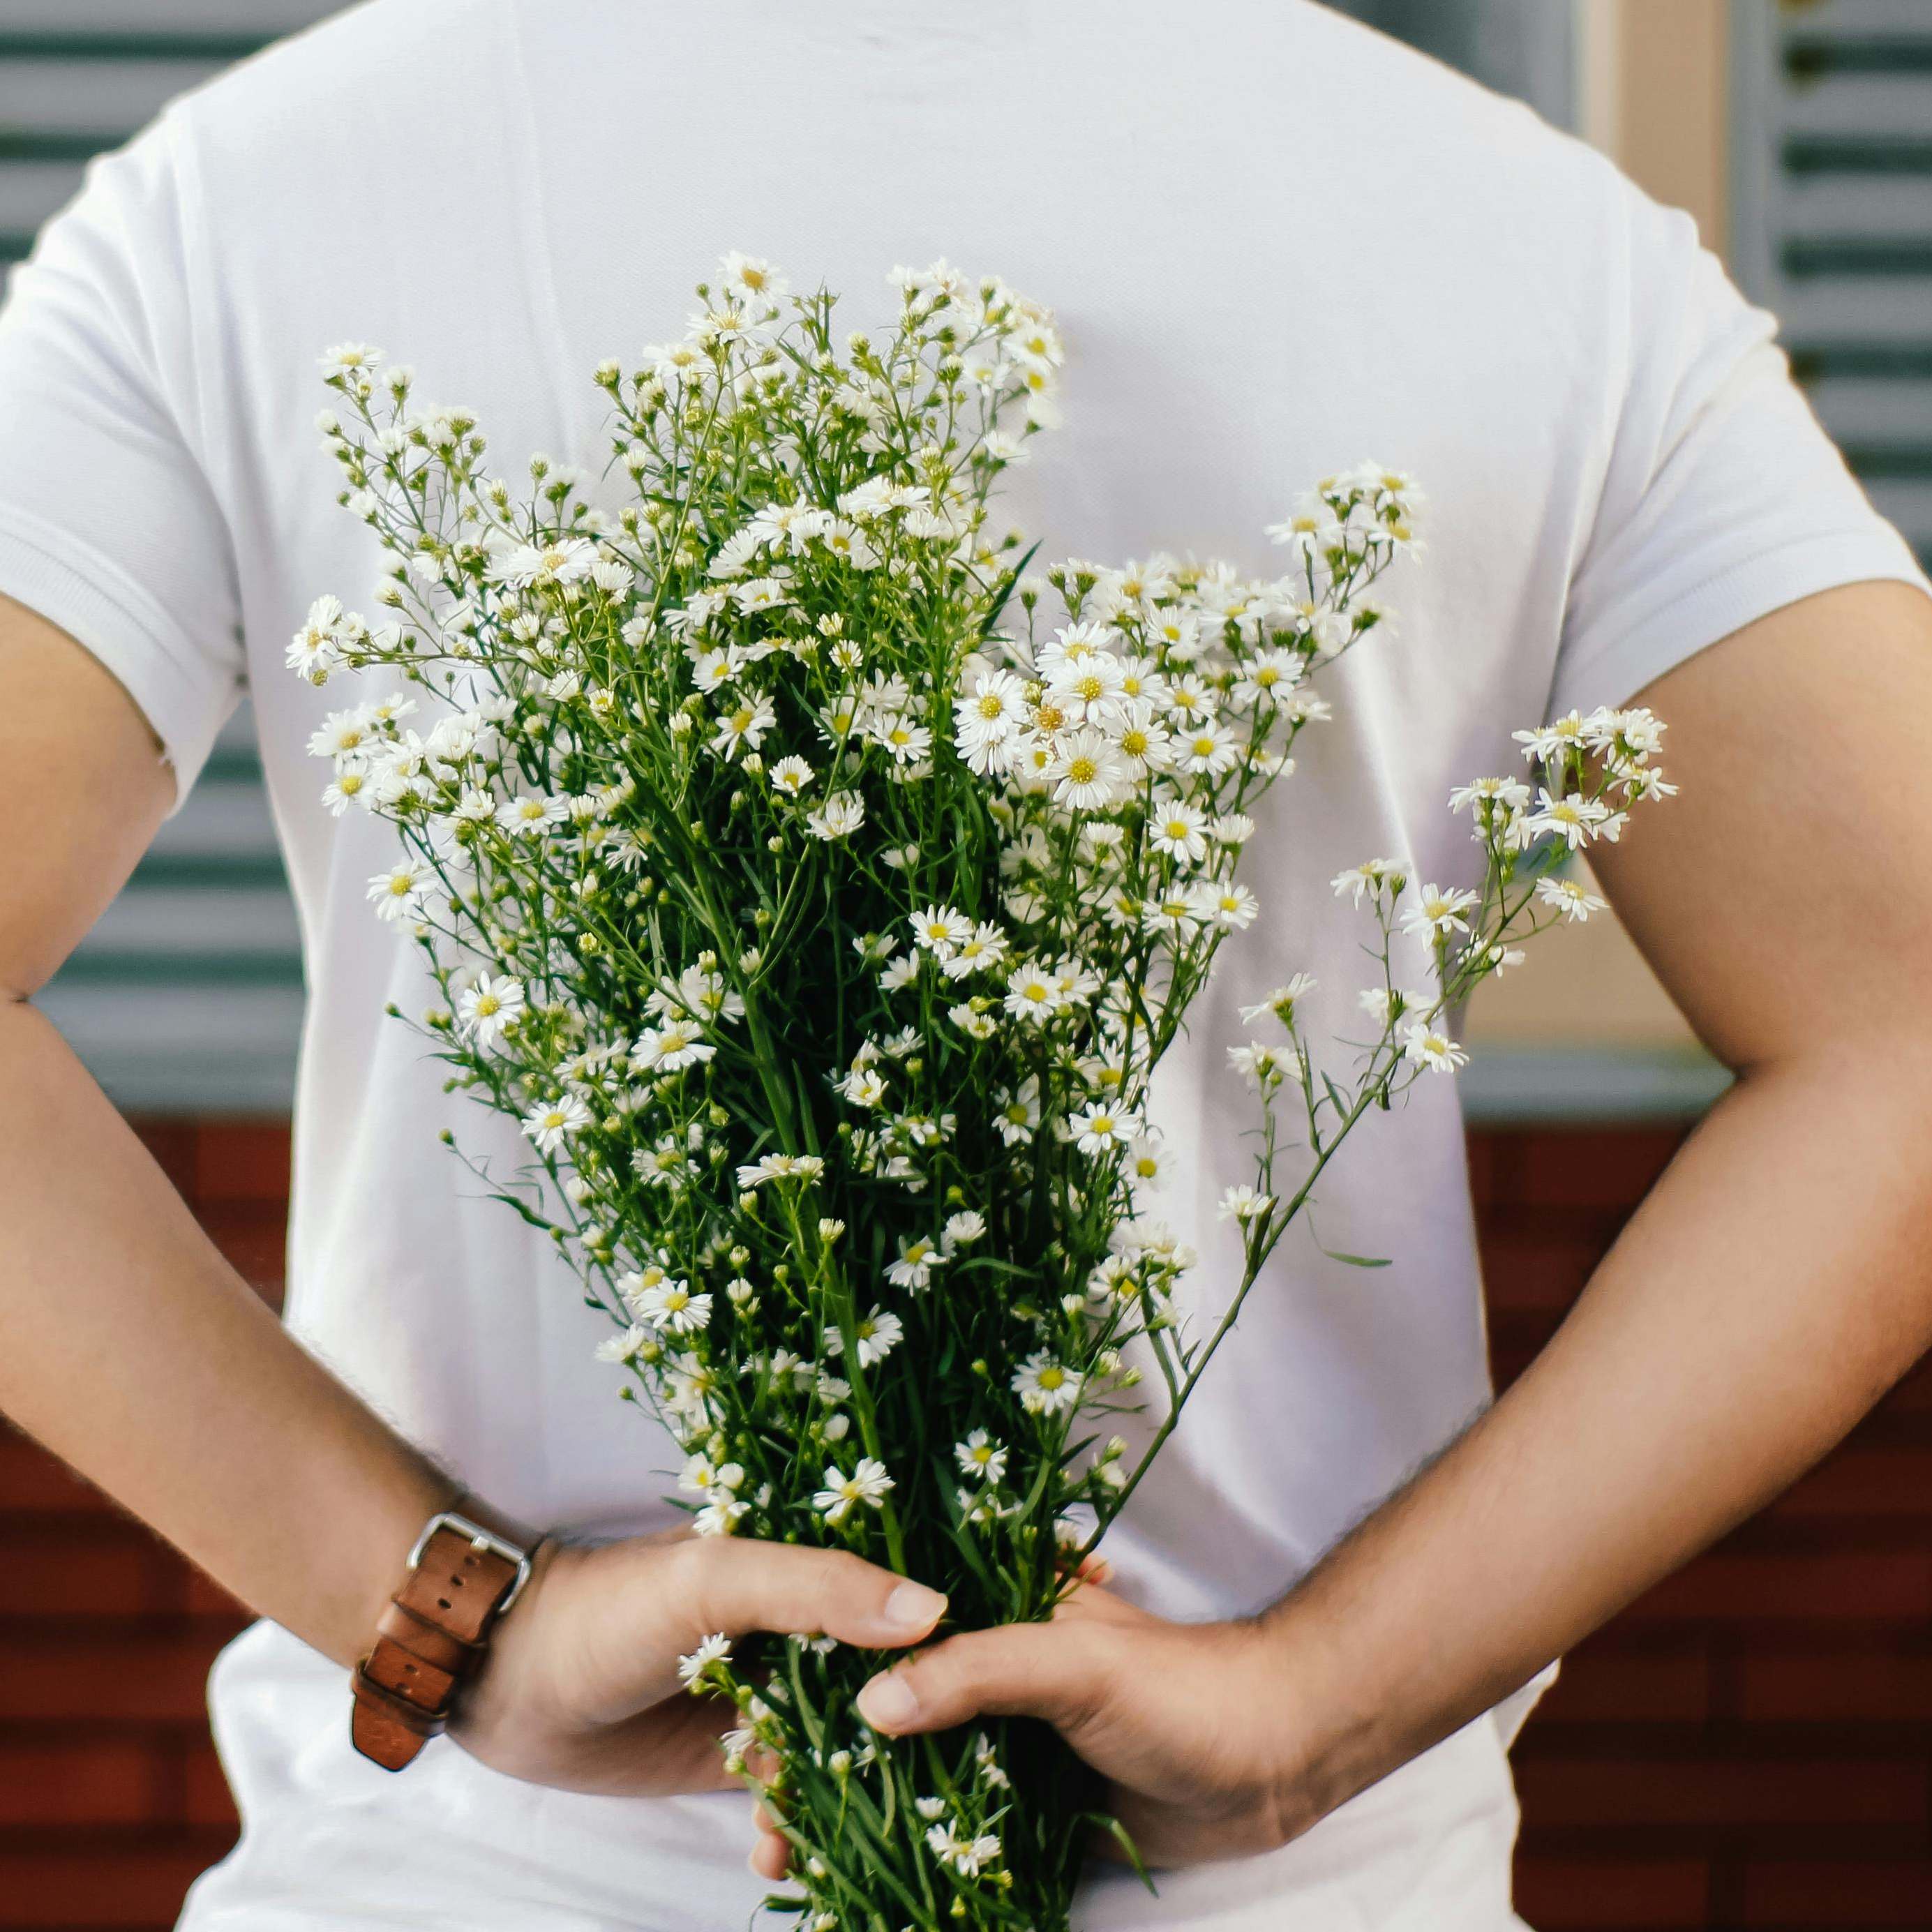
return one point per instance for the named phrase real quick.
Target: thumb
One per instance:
(1054, 1671)
(735, 1584)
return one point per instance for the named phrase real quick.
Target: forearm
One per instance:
(1777, 1280)
(129, 1348)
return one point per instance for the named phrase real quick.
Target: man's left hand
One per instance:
(1194, 1725)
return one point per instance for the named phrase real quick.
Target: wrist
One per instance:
(433, 1636)
(1338, 1736)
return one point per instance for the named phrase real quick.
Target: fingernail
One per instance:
(887, 1703)
(912, 1606)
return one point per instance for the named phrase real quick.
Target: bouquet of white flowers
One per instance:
(821, 893)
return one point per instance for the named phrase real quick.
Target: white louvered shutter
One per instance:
(1832, 222)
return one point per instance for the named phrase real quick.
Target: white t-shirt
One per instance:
(1277, 244)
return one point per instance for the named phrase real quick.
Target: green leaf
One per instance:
(1118, 1832)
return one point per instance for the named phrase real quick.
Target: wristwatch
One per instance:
(462, 1577)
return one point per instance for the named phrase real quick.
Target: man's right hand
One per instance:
(579, 1688)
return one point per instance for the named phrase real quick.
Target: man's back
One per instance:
(1276, 245)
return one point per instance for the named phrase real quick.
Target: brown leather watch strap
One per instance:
(431, 1637)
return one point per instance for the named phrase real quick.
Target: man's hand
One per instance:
(580, 1688)
(1195, 1726)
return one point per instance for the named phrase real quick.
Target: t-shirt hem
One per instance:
(92, 598)
(1739, 594)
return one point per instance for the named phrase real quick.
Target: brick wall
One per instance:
(1749, 1746)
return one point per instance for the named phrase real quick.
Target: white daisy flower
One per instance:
(986, 718)
(562, 560)
(488, 1010)
(1437, 912)
(1147, 1163)
(981, 1458)
(1099, 1129)
(1573, 818)
(624, 1348)
(1426, 1044)
(714, 1650)
(1034, 993)
(752, 280)
(917, 1260)
(670, 1306)
(1244, 1204)
(1569, 734)
(1366, 880)
(961, 1229)
(982, 949)
(1206, 748)
(869, 1485)
(781, 1167)
(720, 1516)
(1574, 901)
(531, 813)
(551, 1123)
(400, 892)
(1233, 908)
(940, 930)
(863, 1086)
(1045, 1386)
(742, 728)
(668, 1049)
(1282, 1001)
(839, 817)
(879, 1333)
(1174, 828)
(1088, 774)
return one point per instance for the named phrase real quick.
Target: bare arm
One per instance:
(1776, 1283)
(130, 1347)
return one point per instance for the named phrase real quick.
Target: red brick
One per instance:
(1866, 1893)
(64, 1677)
(253, 1240)
(1527, 1270)
(172, 1143)
(1616, 1794)
(77, 1782)
(1913, 1395)
(1853, 1586)
(130, 1883)
(205, 1797)
(1491, 1159)
(1599, 1168)
(1866, 1482)
(242, 1160)
(1597, 1687)
(1561, 1894)
(33, 1479)
(108, 1568)
(202, 1596)
(1856, 1688)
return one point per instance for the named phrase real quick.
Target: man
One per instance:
(1277, 244)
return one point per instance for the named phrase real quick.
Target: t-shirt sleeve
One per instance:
(108, 525)
(1723, 498)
